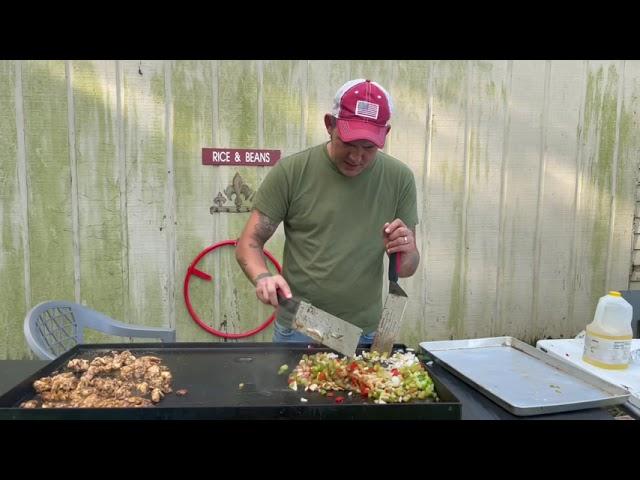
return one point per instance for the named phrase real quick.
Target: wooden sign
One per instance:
(245, 157)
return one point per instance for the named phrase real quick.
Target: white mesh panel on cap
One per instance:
(341, 91)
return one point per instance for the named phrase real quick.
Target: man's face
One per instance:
(351, 158)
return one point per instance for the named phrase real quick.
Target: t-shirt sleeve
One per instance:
(408, 204)
(272, 197)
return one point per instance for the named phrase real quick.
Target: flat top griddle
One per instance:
(212, 373)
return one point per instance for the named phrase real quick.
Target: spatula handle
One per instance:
(281, 297)
(394, 263)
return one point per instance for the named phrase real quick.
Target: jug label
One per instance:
(604, 350)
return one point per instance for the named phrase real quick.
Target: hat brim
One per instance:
(352, 130)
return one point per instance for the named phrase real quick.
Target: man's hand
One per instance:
(398, 238)
(267, 286)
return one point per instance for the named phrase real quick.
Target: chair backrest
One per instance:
(52, 328)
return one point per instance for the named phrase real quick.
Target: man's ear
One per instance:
(329, 122)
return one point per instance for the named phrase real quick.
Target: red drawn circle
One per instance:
(192, 270)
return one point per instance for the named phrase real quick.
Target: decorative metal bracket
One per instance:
(236, 190)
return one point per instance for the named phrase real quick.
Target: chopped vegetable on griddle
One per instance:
(384, 379)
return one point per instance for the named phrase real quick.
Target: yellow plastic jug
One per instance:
(607, 342)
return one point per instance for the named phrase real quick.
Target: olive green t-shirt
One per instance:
(333, 250)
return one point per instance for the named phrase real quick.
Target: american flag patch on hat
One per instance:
(367, 109)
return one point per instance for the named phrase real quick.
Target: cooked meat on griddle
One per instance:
(156, 395)
(116, 380)
(78, 364)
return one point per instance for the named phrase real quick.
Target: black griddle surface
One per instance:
(212, 373)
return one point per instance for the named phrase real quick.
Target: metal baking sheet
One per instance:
(212, 374)
(523, 380)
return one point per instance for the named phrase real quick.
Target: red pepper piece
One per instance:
(395, 372)
(339, 399)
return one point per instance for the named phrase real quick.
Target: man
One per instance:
(343, 204)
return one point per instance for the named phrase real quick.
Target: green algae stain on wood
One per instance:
(283, 90)
(48, 180)
(450, 86)
(600, 128)
(238, 90)
(324, 79)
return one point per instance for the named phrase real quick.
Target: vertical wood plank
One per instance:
(192, 126)
(523, 189)
(486, 117)
(146, 176)
(497, 324)
(407, 138)
(99, 219)
(283, 87)
(446, 193)
(566, 92)
(240, 111)
(12, 227)
(628, 145)
(48, 180)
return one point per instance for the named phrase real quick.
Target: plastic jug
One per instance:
(607, 342)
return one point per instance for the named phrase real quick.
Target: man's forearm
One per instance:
(251, 261)
(409, 264)
(249, 248)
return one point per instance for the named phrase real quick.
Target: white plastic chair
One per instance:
(52, 328)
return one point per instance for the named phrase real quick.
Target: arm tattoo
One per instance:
(264, 229)
(244, 265)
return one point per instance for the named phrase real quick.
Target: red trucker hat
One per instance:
(363, 109)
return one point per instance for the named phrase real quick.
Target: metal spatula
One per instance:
(323, 327)
(392, 312)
